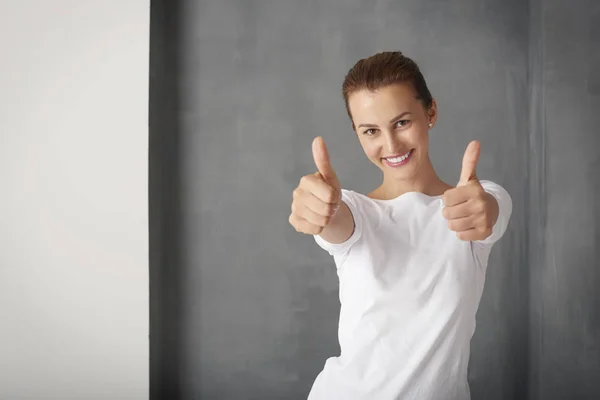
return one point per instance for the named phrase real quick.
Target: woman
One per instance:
(411, 256)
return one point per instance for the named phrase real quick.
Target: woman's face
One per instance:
(392, 126)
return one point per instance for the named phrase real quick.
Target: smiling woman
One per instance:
(392, 110)
(415, 249)
(404, 135)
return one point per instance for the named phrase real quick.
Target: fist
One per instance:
(318, 196)
(471, 211)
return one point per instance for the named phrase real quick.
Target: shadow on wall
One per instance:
(165, 218)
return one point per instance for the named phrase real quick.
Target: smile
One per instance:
(397, 161)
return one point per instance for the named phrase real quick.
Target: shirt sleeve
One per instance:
(341, 249)
(504, 211)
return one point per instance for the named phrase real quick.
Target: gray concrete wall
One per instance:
(564, 215)
(243, 306)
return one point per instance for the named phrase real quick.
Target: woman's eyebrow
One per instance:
(392, 121)
(398, 117)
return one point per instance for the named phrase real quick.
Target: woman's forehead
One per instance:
(386, 102)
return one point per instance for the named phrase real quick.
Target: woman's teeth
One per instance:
(398, 159)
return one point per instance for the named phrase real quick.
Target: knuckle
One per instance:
(331, 209)
(331, 195)
(304, 180)
(449, 195)
(292, 221)
(451, 225)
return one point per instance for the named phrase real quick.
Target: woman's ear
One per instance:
(432, 113)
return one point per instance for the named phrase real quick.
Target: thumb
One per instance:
(321, 157)
(470, 163)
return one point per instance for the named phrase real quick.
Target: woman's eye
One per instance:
(369, 132)
(402, 123)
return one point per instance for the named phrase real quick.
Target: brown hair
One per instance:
(383, 69)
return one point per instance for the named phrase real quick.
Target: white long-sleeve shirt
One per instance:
(409, 291)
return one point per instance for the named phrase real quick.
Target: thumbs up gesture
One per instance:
(471, 211)
(318, 196)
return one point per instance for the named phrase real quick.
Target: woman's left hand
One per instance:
(471, 211)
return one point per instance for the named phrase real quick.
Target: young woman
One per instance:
(411, 256)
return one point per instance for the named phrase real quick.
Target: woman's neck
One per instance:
(427, 182)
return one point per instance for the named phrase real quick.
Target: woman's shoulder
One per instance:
(363, 203)
(355, 196)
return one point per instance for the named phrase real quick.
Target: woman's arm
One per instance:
(341, 226)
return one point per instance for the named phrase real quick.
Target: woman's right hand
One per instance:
(318, 196)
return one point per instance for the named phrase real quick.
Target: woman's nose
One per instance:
(392, 143)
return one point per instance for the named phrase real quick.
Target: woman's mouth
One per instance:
(399, 160)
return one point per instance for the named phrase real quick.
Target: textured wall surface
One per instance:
(564, 212)
(245, 307)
